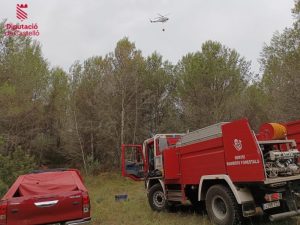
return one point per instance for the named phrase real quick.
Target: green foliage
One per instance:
(12, 166)
(23, 89)
(296, 9)
(80, 119)
(3, 188)
(159, 95)
(210, 83)
(120, 98)
(281, 80)
(254, 105)
(93, 165)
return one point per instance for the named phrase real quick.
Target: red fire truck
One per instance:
(234, 172)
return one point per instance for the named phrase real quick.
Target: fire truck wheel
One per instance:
(156, 198)
(222, 207)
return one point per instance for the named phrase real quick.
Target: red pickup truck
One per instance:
(46, 197)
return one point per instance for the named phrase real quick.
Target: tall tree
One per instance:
(254, 105)
(209, 84)
(91, 120)
(49, 144)
(23, 90)
(281, 72)
(126, 62)
(158, 97)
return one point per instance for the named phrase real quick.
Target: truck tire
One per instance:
(222, 207)
(156, 198)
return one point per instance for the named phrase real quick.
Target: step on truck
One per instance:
(227, 168)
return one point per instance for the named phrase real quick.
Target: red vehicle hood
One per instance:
(46, 183)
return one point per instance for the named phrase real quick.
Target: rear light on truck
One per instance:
(3, 211)
(273, 197)
(85, 203)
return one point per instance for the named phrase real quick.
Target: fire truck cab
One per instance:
(141, 161)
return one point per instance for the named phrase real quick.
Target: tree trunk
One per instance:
(92, 141)
(122, 118)
(80, 143)
(136, 114)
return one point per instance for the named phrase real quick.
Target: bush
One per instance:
(3, 188)
(12, 166)
(93, 165)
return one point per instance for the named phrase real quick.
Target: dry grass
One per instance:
(136, 211)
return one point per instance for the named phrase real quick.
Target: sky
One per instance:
(73, 30)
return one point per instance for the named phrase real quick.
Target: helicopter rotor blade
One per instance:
(163, 15)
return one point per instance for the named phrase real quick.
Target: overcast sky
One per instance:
(77, 29)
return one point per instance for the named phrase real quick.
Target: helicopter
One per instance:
(160, 19)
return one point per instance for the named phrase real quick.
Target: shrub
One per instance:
(12, 166)
(93, 165)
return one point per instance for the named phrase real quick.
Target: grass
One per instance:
(136, 211)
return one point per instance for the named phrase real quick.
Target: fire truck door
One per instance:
(133, 162)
